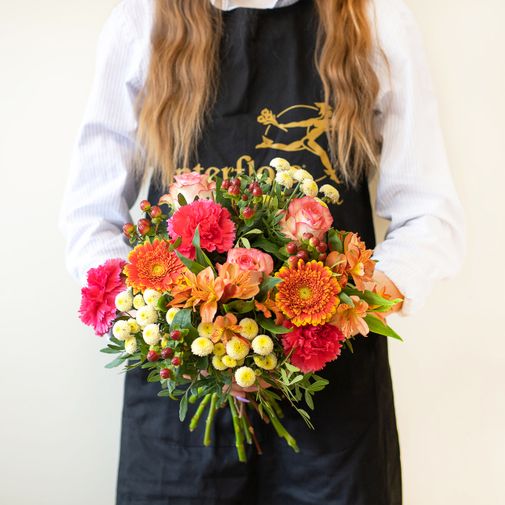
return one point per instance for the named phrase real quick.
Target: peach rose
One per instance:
(306, 215)
(190, 186)
(251, 259)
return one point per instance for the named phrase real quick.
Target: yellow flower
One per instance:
(130, 345)
(331, 193)
(245, 376)
(124, 301)
(138, 301)
(280, 164)
(301, 175)
(121, 329)
(133, 325)
(237, 348)
(284, 179)
(309, 188)
(205, 329)
(262, 345)
(219, 349)
(268, 362)
(228, 361)
(151, 334)
(202, 346)
(151, 297)
(248, 328)
(146, 315)
(218, 364)
(171, 314)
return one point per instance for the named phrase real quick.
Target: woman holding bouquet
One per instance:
(340, 88)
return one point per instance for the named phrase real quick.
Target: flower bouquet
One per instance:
(235, 294)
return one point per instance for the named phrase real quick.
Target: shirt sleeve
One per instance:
(101, 187)
(425, 240)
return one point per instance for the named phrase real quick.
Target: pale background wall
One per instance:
(60, 409)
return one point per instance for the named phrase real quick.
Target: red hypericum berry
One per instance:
(234, 190)
(314, 241)
(307, 236)
(248, 212)
(167, 352)
(153, 356)
(322, 247)
(165, 373)
(303, 255)
(155, 211)
(245, 197)
(293, 261)
(251, 186)
(257, 191)
(129, 229)
(175, 335)
(234, 182)
(144, 226)
(226, 184)
(323, 256)
(176, 361)
(292, 248)
(145, 205)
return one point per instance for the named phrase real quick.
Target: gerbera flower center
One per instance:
(158, 269)
(305, 293)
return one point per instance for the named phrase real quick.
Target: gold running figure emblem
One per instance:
(315, 127)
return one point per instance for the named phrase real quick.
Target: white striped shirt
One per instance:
(425, 241)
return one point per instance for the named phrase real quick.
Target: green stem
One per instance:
(210, 419)
(199, 411)
(245, 424)
(276, 408)
(279, 428)
(239, 436)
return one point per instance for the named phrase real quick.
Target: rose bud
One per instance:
(292, 248)
(153, 356)
(165, 373)
(176, 361)
(167, 352)
(155, 211)
(144, 226)
(145, 205)
(129, 229)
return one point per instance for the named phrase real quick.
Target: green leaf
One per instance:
(239, 306)
(346, 299)
(181, 320)
(246, 243)
(183, 408)
(117, 362)
(377, 326)
(193, 266)
(349, 345)
(268, 284)
(164, 392)
(334, 241)
(269, 247)
(182, 201)
(107, 350)
(308, 400)
(201, 257)
(269, 325)
(373, 299)
(298, 378)
(291, 368)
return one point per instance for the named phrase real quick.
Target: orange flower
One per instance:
(350, 319)
(337, 263)
(203, 289)
(242, 284)
(225, 327)
(154, 266)
(360, 266)
(308, 293)
(269, 306)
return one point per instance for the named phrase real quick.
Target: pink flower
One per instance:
(98, 297)
(306, 215)
(190, 186)
(251, 259)
(313, 346)
(217, 230)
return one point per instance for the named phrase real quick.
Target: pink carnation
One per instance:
(217, 230)
(98, 297)
(251, 259)
(313, 346)
(306, 215)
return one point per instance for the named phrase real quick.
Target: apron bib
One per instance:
(270, 103)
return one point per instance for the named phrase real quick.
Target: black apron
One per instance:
(269, 105)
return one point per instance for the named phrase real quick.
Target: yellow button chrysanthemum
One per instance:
(219, 349)
(248, 328)
(245, 376)
(237, 348)
(202, 346)
(217, 363)
(205, 329)
(229, 361)
(262, 345)
(266, 362)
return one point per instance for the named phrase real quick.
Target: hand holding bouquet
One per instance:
(236, 293)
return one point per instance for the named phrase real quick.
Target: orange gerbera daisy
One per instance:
(203, 289)
(153, 266)
(360, 266)
(308, 293)
(350, 319)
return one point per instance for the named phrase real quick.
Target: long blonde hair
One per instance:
(183, 76)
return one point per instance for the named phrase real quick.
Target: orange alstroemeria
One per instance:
(350, 319)
(337, 263)
(269, 306)
(203, 290)
(225, 327)
(360, 266)
(241, 284)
